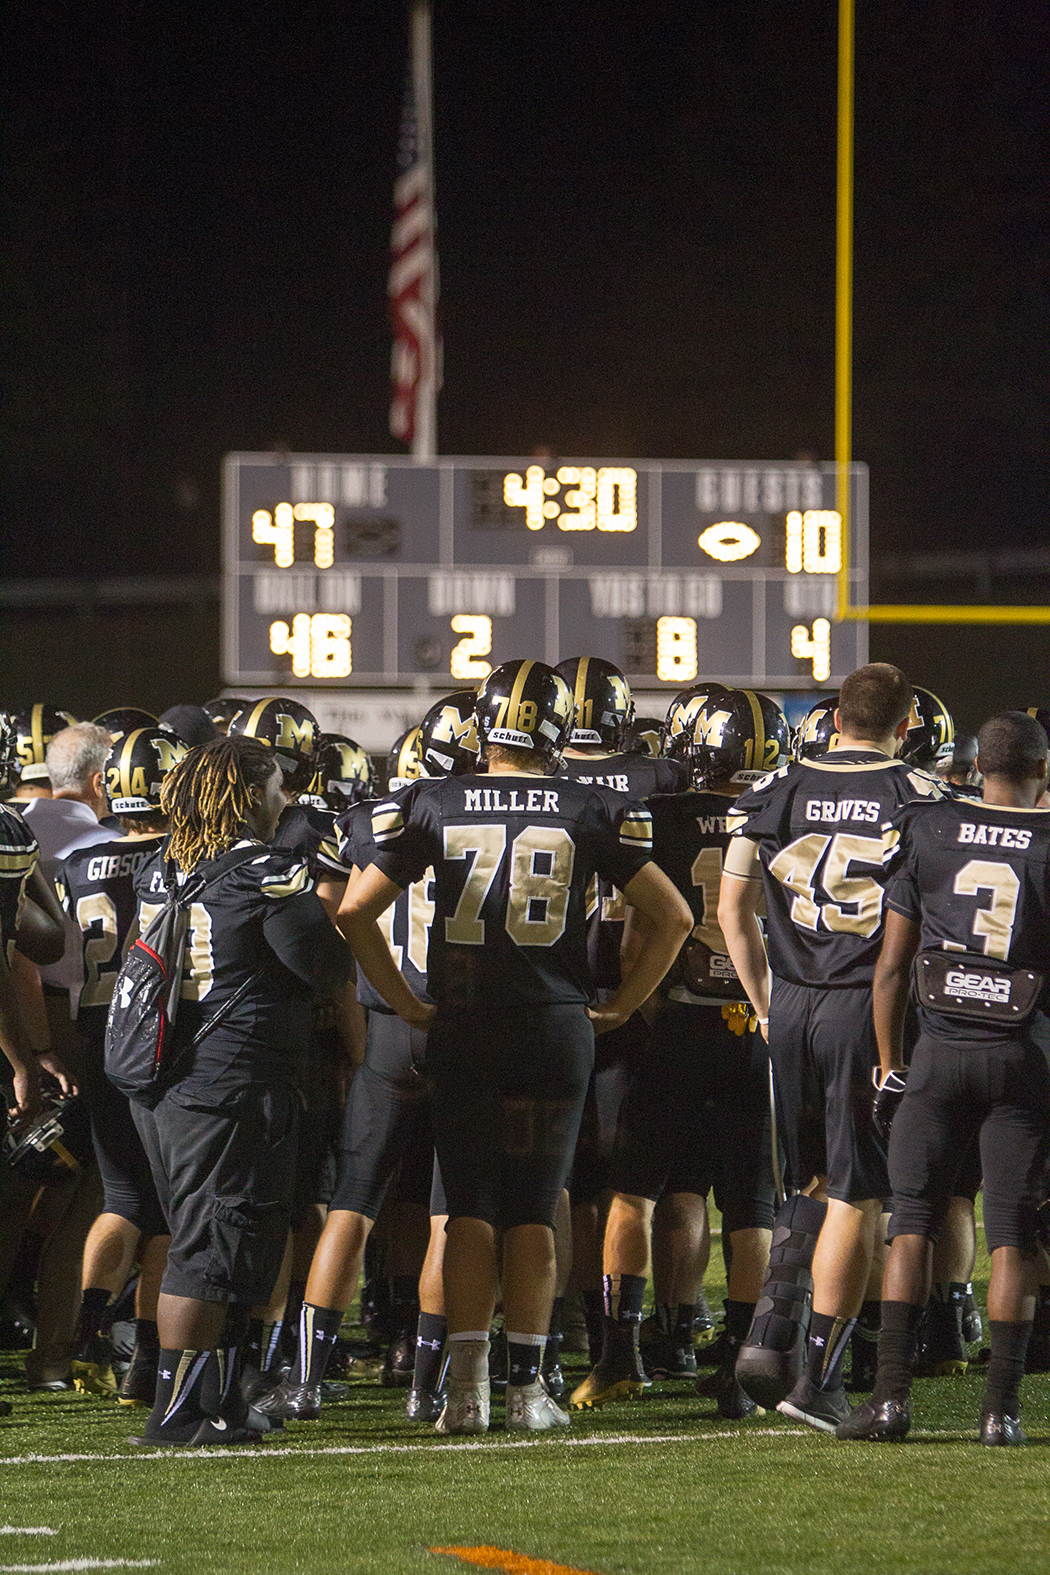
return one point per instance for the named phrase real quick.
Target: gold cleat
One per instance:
(94, 1378)
(604, 1385)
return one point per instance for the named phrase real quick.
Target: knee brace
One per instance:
(787, 1296)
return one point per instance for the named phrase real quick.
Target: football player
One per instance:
(603, 711)
(697, 1107)
(344, 775)
(34, 730)
(96, 886)
(969, 913)
(818, 730)
(815, 838)
(222, 1137)
(510, 1046)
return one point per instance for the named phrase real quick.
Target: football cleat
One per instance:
(291, 1402)
(216, 1431)
(530, 1409)
(664, 1359)
(876, 1422)
(824, 1409)
(997, 1428)
(466, 1409)
(93, 1369)
(608, 1381)
(400, 1362)
(423, 1405)
(140, 1381)
(733, 1402)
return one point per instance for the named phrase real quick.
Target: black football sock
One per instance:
(623, 1295)
(524, 1357)
(290, 1319)
(898, 1342)
(554, 1330)
(594, 1318)
(430, 1344)
(253, 1344)
(738, 1322)
(828, 1339)
(92, 1310)
(147, 1340)
(682, 1327)
(1002, 1390)
(318, 1329)
(272, 1330)
(177, 1410)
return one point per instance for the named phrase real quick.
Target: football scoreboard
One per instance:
(377, 572)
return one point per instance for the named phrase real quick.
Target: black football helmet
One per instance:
(136, 767)
(223, 709)
(931, 731)
(8, 753)
(817, 732)
(292, 732)
(525, 705)
(34, 730)
(681, 711)
(738, 735)
(404, 764)
(602, 699)
(124, 719)
(448, 743)
(645, 736)
(344, 774)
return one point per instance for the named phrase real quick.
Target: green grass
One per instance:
(661, 1485)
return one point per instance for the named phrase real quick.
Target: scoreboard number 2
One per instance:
(476, 643)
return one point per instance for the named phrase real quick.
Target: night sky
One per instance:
(636, 234)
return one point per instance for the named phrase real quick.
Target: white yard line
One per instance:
(28, 1531)
(79, 1564)
(270, 1452)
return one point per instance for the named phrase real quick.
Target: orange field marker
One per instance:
(487, 1558)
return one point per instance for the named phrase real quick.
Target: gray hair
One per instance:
(75, 754)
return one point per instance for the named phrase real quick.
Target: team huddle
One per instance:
(492, 1026)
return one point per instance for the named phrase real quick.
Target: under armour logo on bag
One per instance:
(126, 988)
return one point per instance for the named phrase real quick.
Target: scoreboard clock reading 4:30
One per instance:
(375, 571)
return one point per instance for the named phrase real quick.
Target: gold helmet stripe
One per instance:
(580, 692)
(36, 730)
(125, 761)
(516, 692)
(253, 721)
(409, 755)
(758, 752)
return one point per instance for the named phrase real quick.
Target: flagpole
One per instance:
(424, 440)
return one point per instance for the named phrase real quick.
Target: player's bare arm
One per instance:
(366, 898)
(739, 899)
(890, 988)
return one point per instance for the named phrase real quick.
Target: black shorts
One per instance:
(696, 1117)
(225, 1175)
(318, 1081)
(822, 1046)
(616, 1057)
(386, 1124)
(438, 1200)
(996, 1094)
(127, 1181)
(508, 1091)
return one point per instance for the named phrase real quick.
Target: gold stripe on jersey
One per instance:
(516, 693)
(329, 849)
(287, 885)
(758, 749)
(742, 859)
(19, 862)
(636, 828)
(387, 822)
(824, 764)
(735, 819)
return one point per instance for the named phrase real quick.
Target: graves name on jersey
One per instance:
(512, 857)
(826, 846)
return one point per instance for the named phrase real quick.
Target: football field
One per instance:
(658, 1485)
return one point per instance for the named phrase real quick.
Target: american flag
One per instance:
(413, 288)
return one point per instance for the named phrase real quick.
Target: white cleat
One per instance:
(530, 1409)
(466, 1409)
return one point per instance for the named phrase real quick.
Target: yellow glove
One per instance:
(739, 1017)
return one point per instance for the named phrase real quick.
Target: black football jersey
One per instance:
(406, 924)
(263, 922)
(310, 832)
(636, 776)
(976, 878)
(19, 853)
(513, 857)
(826, 849)
(96, 887)
(690, 836)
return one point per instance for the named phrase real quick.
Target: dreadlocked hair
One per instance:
(207, 796)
